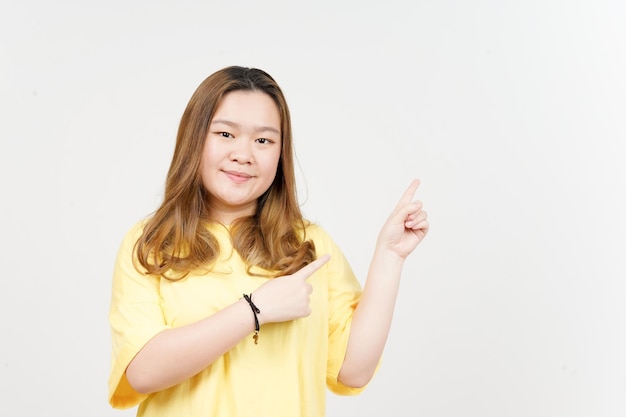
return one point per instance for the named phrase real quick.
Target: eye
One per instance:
(225, 135)
(264, 141)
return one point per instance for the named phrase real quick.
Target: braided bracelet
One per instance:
(255, 311)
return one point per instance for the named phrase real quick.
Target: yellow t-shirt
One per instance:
(285, 374)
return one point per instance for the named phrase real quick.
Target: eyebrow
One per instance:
(256, 128)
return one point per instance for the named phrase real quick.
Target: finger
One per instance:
(311, 268)
(408, 194)
(421, 225)
(408, 212)
(415, 209)
(417, 216)
(420, 233)
(414, 219)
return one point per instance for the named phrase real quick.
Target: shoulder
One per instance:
(314, 231)
(320, 236)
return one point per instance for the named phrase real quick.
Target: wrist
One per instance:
(255, 312)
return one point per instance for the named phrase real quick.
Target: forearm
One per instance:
(177, 354)
(372, 319)
(404, 229)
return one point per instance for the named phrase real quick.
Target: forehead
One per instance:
(248, 109)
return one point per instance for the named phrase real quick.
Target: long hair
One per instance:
(175, 239)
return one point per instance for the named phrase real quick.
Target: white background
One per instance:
(512, 113)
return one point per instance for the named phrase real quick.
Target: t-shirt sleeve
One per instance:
(344, 293)
(135, 316)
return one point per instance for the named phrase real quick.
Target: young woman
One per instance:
(226, 301)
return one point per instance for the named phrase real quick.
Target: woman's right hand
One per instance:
(287, 298)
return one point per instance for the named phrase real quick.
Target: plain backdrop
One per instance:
(512, 114)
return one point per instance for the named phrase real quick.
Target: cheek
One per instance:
(207, 164)
(270, 164)
(211, 155)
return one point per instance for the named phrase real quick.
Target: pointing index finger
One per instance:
(409, 193)
(311, 268)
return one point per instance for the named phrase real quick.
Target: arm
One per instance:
(405, 228)
(176, 354)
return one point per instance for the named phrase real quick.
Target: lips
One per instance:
(237, 177)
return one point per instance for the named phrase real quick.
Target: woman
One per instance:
(226, 301)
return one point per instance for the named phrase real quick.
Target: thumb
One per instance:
(311, 268)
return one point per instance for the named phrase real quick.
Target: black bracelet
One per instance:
(255, 311)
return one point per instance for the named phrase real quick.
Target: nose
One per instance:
(242, 151)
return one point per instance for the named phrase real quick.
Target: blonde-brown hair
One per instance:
(175, 239)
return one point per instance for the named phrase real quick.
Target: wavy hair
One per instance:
(176, 241)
